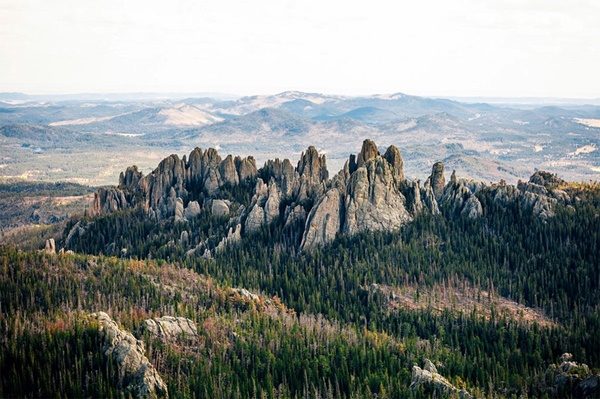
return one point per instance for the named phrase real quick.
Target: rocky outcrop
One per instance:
(373, 198)
(459, 198)
(312, 172)
(530, 196)
(233, 236)
(191, 210)
(137, 376)
(202, 172)
(228, 171)
(571, 379)
(367, 152)
(546, 179)
(76, 231)
(246, 168)
(394, 158)
(437, 179)
(130, 178)
(283, 173)
(370, 193)
(219, 207)
(107, 200)
(430, 380)
(264, 208)
(373, 195)
(50, 247)
(429, 199)
(272, 203)
(366, 195)
(170, 328)
(294, 214)
(324, 220)
(179, 210)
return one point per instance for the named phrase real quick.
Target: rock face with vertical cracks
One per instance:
(368, 196)
(373, 198)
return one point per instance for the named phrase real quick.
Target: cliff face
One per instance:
(371, 193)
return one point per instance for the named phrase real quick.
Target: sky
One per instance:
(504, 48)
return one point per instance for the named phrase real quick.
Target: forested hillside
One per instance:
(291, 288)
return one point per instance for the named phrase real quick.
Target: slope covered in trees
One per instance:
(518, 265)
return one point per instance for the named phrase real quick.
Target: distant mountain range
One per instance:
(486, 141)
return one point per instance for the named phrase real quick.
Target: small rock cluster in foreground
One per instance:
(571, 379)
(429, 379)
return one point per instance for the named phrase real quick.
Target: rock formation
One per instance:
(137, 376)
(324, 220)
(107, 200)
(246, 168)
(459, 197)
(228, 171)
(394, 158)
(170, 328)
(429, 378)
(367, 152)
(219, 207)
(366, 196)
(50, 247)
(371, 193)
(312, 172)
(571, 379)
(204, 171)
(233, 235)
(191, 210)
(373, 198)
(437, 179)
(130, 179)
(179, 210)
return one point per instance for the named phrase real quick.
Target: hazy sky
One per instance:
(446, 47)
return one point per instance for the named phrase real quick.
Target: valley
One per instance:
(90, 140)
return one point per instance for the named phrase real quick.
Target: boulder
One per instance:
(219, 207)
(192, 210)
